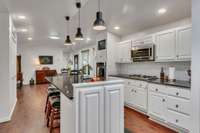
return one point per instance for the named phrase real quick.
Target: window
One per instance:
(85, 62)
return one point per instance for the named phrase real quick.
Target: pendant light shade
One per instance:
(68, 40)
(99, 23)
(79, 35)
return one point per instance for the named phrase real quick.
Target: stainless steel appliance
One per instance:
(144, 52)
(143, 77)
(101, 70)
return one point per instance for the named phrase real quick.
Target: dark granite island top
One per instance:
(66, 83)
(177, 83)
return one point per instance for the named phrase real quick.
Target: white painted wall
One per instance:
(7, 72)
(196, 66)
(30, 53)
(151, 68)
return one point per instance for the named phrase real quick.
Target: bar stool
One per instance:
(53, 112)
(51, 91)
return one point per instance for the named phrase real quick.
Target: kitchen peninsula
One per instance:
(90, 106)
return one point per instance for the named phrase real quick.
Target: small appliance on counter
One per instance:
(162, 74)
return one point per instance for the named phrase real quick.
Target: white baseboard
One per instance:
(8, 118)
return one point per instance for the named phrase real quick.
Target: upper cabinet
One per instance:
(166, 45)
(184, 43)
(123, 52)
(174, 45)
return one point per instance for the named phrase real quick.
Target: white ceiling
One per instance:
(46, 17)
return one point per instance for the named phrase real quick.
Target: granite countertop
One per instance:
(64, 83)
(177, 83)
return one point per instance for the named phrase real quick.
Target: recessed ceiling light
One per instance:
(21, 17)
(30, 38)
(54, 37)
(88, 39)
(116, 27)
(162, 11)
(23, 30)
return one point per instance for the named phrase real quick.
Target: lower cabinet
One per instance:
(102, 109)
(136, 97)
(92, 110)
(171, 109)
(157, 105)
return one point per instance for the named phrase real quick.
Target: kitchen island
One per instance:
(90, 106)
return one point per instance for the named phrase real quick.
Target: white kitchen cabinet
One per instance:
(157, 106)
(114, 108)
(140, 96)
(136, 94)
(123, 52)
(144, 40)
(184, 43)
(92, 110)
(166, 45)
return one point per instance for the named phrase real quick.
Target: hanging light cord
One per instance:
(99, 4)
(79, 16)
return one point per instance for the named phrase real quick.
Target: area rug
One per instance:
(127, 131)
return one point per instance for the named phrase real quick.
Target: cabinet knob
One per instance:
(135, 91)
(177, 93)
(177, 120)
(156, 89)
(163, 100)
(140, 85)
(132, 90)
(177, 106)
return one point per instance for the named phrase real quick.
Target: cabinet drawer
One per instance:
(137, 83)
(157, 88)
(178, 119)
(179, 105)
(179, 92)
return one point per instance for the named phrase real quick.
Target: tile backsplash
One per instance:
(153, 68)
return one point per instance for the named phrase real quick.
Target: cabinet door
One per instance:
(124, 52)
(114, 109)
(141, 99)
(91, 110)
(157, 106)
(184, 42)
(128, 94)
(166, 45)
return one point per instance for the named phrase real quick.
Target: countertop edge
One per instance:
(153, 82)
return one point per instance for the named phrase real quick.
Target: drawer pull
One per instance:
(135, 91)
(177, 93)
(177, 106)
(177, 120)
(156, 89)
(132, 90)
(163, 100)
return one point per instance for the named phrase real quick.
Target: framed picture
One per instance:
(46, 60)
(102, 45)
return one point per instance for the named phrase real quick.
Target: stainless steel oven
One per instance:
(145, 52)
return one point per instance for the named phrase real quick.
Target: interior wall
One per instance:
(152, 68)
(30, 54)
(195, 67)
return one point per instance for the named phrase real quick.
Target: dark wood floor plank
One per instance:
(28, 116)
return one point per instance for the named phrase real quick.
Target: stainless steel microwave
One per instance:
(145, 52)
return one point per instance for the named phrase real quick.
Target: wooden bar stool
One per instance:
(51, 91)
(53, 112)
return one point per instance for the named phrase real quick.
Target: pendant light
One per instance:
(99, 23)
(79, 35)
(68, 40)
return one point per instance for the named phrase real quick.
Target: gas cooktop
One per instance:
(143, 77)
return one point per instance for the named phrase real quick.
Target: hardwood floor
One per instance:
(28, 116)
